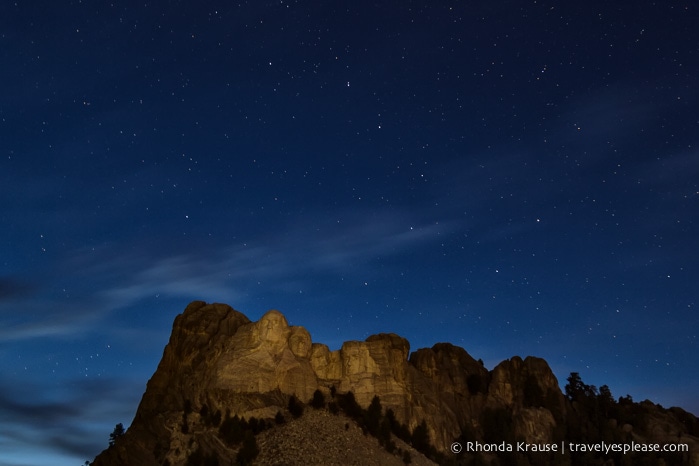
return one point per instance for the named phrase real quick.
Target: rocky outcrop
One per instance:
(217, 360)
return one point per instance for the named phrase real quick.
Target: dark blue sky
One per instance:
(517, 178)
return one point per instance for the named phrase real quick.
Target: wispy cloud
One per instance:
(110, 280)
(39, 316)
(291, 255)
(63, 422)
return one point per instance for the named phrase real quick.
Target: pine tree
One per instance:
(318, 401)
(116, 433)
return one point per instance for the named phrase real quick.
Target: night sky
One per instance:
(514, 177)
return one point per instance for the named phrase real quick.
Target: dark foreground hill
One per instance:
(231, 391)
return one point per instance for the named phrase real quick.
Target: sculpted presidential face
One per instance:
(273, 330)
(300, 342)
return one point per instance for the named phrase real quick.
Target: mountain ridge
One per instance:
(219, 361)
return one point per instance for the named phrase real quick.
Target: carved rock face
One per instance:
(300, 342)
(265, 356)
(273, 330)
(217, 357)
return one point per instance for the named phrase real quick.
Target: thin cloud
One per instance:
(111, 280)
(38, 317)
(227, 274)
(66, 423)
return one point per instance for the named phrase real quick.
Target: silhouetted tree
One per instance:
(210, 418)
(249, 451)
(373, 416)
(199, 458)
(384, 435)
(606, 400)
(231, 430)
(591, 391)
(399, 430)
(318, 401)
(295, 406)
(349, 405)
(255, 425)
(575, 388)
(420, 438)
(116, 433)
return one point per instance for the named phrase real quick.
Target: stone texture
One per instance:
(265, 356)
(320, 438)
(218, 358)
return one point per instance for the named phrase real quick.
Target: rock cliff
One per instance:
(217, 360)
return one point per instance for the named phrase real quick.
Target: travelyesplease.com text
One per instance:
(564, 447)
